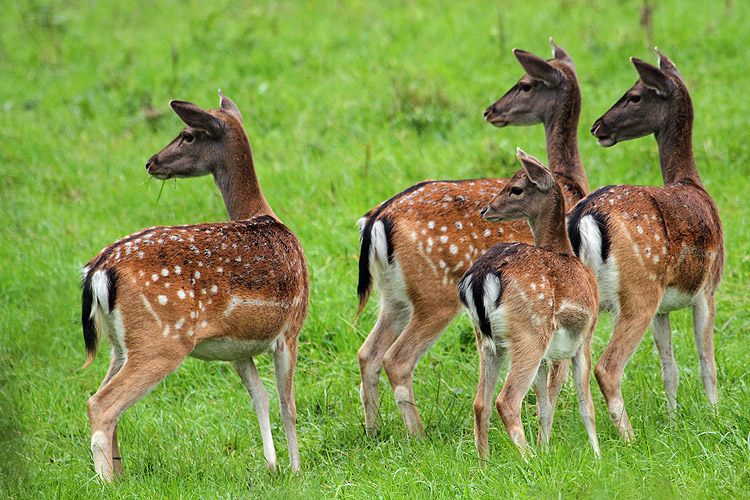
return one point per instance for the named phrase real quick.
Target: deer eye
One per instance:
(515, 190)
(634, 98)
(187, 137)
(525, 87)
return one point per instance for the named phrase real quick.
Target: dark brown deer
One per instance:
(221, 291)
(530, 304)
(419, 243)
(654, 249)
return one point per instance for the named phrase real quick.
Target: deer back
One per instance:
(242, 281)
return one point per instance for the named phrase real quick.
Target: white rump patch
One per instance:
(100, 292)
(590, 250)
(379, 243)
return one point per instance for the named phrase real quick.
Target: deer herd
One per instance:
(532, 259)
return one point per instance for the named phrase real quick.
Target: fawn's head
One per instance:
(646, 107)
(525, 195)
(535, 95)
(209, 141)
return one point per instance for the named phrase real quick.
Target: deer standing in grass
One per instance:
(418, 243)
(221, 291)
(530, 304)
(654, 249)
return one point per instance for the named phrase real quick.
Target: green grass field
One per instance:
(345, 104)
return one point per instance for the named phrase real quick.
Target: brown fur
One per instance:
(218, 291)
(530, 304)
(438, 232)
(667, 246)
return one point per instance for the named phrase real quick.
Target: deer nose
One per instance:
(484, 210)
(487, 111)
(151, 161)
(595, 126)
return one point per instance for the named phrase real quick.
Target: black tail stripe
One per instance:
(89, 326)
(582, 209)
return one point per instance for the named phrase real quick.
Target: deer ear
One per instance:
(229, 106)
(667, 66)
(535, 171)
(559, 54)
(538, 69)
(653, 78)
(196, 117)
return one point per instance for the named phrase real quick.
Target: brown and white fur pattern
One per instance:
(220, 291)
(530, 304)
(419, 243)
(654, 249)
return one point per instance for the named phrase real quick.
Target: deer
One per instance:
(417, 244)
(654, 249)
(225, 291)
(530, 304)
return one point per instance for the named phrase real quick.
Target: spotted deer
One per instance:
(220, 291)
(530, 304)
(418, 243)
(654, 249)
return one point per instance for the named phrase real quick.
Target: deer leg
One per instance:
(284, 362)
(135, 379)
(558, 370)
(251, 378)
(543, 405)
(424, 329)
(393, 318)
(116, 362)
(489, 368)
(524, 367)
(582, 377)
(629, 330)
(704, 314)
(670, 375)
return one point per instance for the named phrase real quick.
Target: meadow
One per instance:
(345, 104)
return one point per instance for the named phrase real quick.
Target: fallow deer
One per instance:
(654, 249)
(221, 291)
(530, 304)
(418, 243)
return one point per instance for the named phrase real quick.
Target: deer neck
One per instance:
(240, 188)
(561, 132)
(548, 226)
(675, 143)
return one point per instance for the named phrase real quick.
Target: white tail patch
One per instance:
(99, 292)
(590, 251)
(379, 243)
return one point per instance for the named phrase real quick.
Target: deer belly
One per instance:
(673, 299)
(564, 344)
(228, 349)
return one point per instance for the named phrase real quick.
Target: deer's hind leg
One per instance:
(138, 376)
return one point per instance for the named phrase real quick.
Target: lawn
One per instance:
(345, 104)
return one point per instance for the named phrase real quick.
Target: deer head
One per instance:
(646, 106)
(202, 147)
(533, 98)
(523, 197)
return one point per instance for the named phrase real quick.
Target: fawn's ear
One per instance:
(198, 118)
(560, 54)
(538, 69)
(653, 78)
(667, 65)
(535, 171)
(229, 106)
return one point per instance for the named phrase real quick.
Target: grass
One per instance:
(345, 104)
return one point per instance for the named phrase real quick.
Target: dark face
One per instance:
(196, 151)
(638, 113)
(531, 100)
(517, 200)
